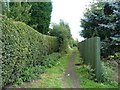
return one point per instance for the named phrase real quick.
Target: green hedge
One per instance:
(22, 47)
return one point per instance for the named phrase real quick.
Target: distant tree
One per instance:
(75, 43)
(40, 16)
(62, 32)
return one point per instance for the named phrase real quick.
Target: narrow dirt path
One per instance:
(70, 72)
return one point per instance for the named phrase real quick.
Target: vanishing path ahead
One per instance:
(70, 72)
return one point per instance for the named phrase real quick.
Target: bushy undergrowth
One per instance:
(50, 60)
(88, 80)
(110, 69)
(29, 74)
(52, 77)
(109, 73)
(22, 48)
(115, 57)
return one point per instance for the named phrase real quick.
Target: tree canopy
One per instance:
(103, 20)
(35, 14)
(40, 16)
(62, 32)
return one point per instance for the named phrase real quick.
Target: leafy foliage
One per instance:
(102, 20)
(109, 73)
(40, 16)
(86, 75)
(19, 11)
(97, 21)
(30, 73)
(115, 57)
(87, 79)
(50, 60)
(22, 47)
(35, 14)
(52, 78)
(62, 32)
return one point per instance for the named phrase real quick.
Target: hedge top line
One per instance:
(33, 30)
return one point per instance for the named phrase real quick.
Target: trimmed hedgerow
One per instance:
(22, 47)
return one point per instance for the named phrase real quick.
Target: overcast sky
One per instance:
(71, 11)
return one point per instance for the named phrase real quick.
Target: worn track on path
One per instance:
(70, 72)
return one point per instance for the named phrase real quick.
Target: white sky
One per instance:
(70, 11)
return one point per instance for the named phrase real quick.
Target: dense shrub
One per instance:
(29, 74)
(35, 14)
(50, 60)
(62, 32)
(22, 47)
(109, 73)
(40, 16)
(115, 57)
